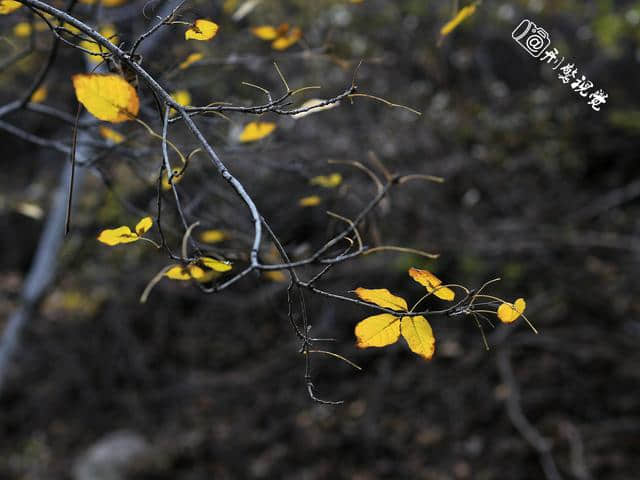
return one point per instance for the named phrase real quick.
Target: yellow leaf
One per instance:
(40, 95)
(284, 42)
(462, 15)
(22, 29)
(378, 331)
(419, 336)
(118, 235)
(144, 225)
(254, 131)
(311, 201)
(179, 272)
(8, 6)
(265, 32)
(432, 283)
(509, 312)
(213, 236)
(182, 97)
(201, 30)
(327, 181)
(382, 297)
(111, 134)
(275, 276)
(313, 102)
(107, 97)
(217, 265)
(108, 31)
(190, 60)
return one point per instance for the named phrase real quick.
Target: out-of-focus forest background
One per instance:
(540, 190)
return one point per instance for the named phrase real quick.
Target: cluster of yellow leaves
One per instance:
(201, 29)
(327, 181)
(311, 201)
(254, 131)
(116, 236)
(385, 329)
(460, 17)
(281, 37)
(190, 60)
(8, 6)
(205, 269)
(108, 97)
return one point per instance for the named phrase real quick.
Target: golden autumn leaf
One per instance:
(460, 17)
(213, 236)
(22, 29)
(182, 97)
(311, 201)
(108, 97)
(201, 30)
(419, 336)
(327, 181)
(116, 236)
(180, 272)
(190, 60)
(8, 6)
(382, 297)
(110, 134)
(287, 40)
(378, 331)
(509, 312)
(40, 95)
(217, 265)
(265, 32)
(281, 37)
(254, 131)
(432, 283)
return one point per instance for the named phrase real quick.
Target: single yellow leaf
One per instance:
(327, 181)
(40, 95)
(8, 6)
(144, 225)
(108, 31)
(311, 201)
(254, 131)
(116, 236)
(265, 32)
(217, 265)
(461, 16)
(509, 312)
(176, 178)
(419, 336)
(432, 283)
(213, 236)
(111, 134)
(22, 29)
(275, 276)
(201, 30)
(285, 41)
(179, 272)
(378, 331)
(183, 97)
(108, 97)
(190, 60)
(314, 102)
(382, 297)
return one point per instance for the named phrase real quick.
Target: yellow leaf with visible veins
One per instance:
(201, 30)
(378, 331)
(382, 297)
(432, 283)
(419, 336)
(107, 97)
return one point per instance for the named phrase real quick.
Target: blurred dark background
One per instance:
(540, 190)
